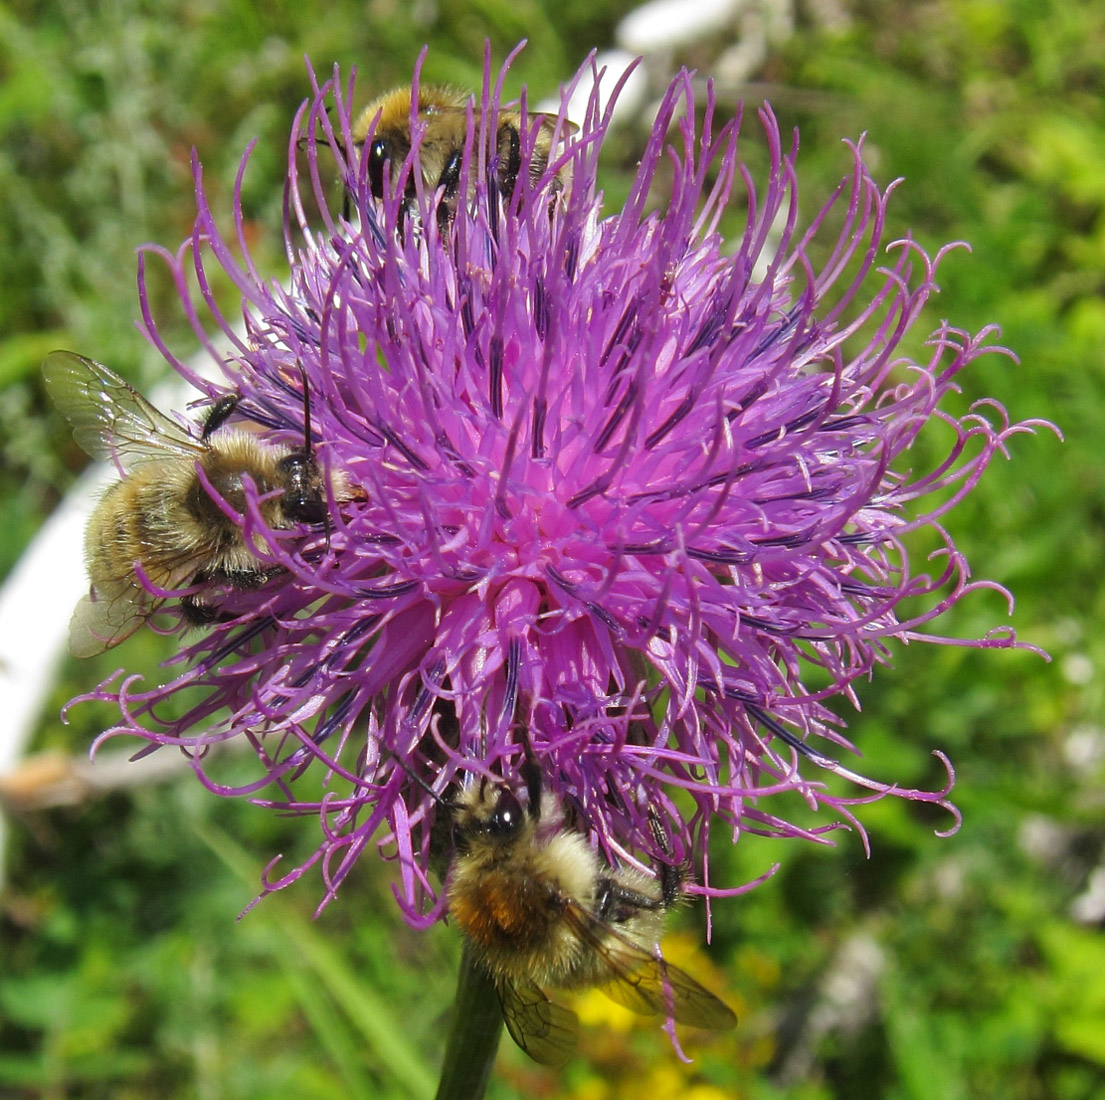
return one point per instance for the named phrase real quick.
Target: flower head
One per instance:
(618, 489)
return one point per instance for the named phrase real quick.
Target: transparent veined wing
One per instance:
(644, 983)
(547, 1032)
(111, 420)
(108, 615)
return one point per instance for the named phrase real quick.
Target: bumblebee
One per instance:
(159, 527)
(538, 906)
(444, 111)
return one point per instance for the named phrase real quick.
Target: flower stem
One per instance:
(473, 1036)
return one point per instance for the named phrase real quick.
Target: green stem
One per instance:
(473, 1036)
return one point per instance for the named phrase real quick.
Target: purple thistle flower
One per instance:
(620, 491)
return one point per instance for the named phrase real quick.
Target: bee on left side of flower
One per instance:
(159, 527)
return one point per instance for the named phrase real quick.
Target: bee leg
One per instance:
(509, 148)
(200, 614)
(220, 413)
(450, 181)
(408, 213)
(247, 579)
(671, 883)
(450, 176)
(615, 903)
(671, 874)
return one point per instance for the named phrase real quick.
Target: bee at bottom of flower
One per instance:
(539, 906)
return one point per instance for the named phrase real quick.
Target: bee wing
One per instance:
(547, 121)
(643, 983)
(547, 1032)
(108, 615)
(111, 420)
(568, 128)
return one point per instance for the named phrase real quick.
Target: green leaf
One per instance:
(319, 965)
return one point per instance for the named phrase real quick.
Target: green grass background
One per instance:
(122, 970)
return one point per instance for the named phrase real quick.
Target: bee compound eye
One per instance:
(377, 157)
(507, 815)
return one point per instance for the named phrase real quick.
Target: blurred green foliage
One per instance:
(122, 972)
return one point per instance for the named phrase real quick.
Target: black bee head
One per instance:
(473, 823)
(304, 496)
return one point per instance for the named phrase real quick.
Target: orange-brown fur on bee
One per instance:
(509, 899)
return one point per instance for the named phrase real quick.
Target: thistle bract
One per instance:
(617, 489)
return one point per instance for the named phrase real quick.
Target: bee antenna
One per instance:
(413, 775)
(302, 143)
(531, 775)
(444, 714)
(306, 409)
(308, 450)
